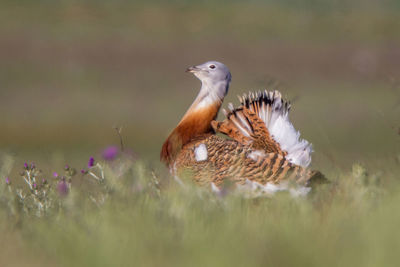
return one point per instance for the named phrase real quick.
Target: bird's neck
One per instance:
(196, 121)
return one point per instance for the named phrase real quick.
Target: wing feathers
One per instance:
(263, 120)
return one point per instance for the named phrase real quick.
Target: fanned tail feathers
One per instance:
(262, 121)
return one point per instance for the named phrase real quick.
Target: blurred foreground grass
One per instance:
(138, 218)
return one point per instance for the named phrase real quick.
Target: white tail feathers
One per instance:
(274, 112)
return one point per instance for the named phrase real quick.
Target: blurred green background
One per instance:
(72, 70)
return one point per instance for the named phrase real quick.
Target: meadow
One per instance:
(73, 71)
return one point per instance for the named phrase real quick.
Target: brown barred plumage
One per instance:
(257, 136)
(252, 154)
(228, 159)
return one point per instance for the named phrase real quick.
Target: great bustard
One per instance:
(263, 150)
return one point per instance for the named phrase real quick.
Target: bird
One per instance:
(256, 147)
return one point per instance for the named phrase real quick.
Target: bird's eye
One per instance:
(212, 66)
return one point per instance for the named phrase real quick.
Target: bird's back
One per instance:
(262, 150)
(215, 160)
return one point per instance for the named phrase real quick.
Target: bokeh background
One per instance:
(72, 70)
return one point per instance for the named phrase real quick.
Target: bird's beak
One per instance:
(192, 69)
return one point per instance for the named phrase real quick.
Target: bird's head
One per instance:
(211, 73)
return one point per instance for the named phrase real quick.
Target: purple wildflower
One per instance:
(91, 162)
(8, 181)
(26, 166)
(33, 165)
(62, 188)
(110, 153)
(66, 167)
(35, 186)
(83, 171)
(55, 174)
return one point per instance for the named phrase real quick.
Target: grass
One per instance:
(146, 220)
(72, 70)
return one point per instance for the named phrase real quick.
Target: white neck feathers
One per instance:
(210, 94)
